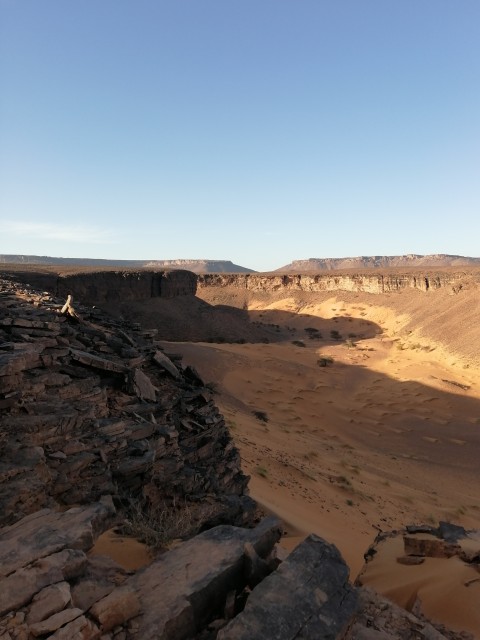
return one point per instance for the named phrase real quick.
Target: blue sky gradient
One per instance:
(259, 131)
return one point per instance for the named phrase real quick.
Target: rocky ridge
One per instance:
(378, 262)
(94, 407)
(367, 282)
(197, 266)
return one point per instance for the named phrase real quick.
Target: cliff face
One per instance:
(97, 287)
(366, 282)
(119, 286)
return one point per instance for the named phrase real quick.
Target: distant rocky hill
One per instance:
(197, 266)
(376, 262)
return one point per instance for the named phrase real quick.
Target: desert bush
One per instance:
(324, 361)
(298, 343)
(350, 344)
(313, 334)
(261, 471)
(335, 335)
(157, 526)
(260, 415)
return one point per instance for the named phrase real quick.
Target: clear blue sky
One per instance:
(259, 131)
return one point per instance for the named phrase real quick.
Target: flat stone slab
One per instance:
(164, 361)
(181, 590)
(307, 597)
(19, 587)
(45, 532)
(96, 362)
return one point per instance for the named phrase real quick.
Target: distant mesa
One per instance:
(197, 266)
(378, 262)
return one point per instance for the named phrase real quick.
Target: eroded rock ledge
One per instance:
(373, 282)
(94, 287)
(94, 407)
(226, 583)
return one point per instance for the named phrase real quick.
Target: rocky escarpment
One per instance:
(375, 282)
(378, 262)
(96, 287)
(93, 406)
(197, 266)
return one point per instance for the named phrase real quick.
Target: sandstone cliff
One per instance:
(369, 282)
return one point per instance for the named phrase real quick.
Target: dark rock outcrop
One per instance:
(200, 573)
(108, 286)
(307, 597)
(93, 407)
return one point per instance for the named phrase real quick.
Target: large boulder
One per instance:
(307, 597)
(180, 592)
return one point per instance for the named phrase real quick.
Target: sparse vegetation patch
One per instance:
(325, 361)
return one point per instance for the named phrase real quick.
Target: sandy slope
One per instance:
(382, 437)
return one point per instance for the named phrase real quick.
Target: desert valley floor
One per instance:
(384, 435)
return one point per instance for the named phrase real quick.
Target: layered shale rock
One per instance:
(307, 597)
(94, 407)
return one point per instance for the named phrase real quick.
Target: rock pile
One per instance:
(94, 407)
(50, 587)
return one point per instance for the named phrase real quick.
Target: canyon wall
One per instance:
(96, 287)
(367, 282)
(121, 286)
